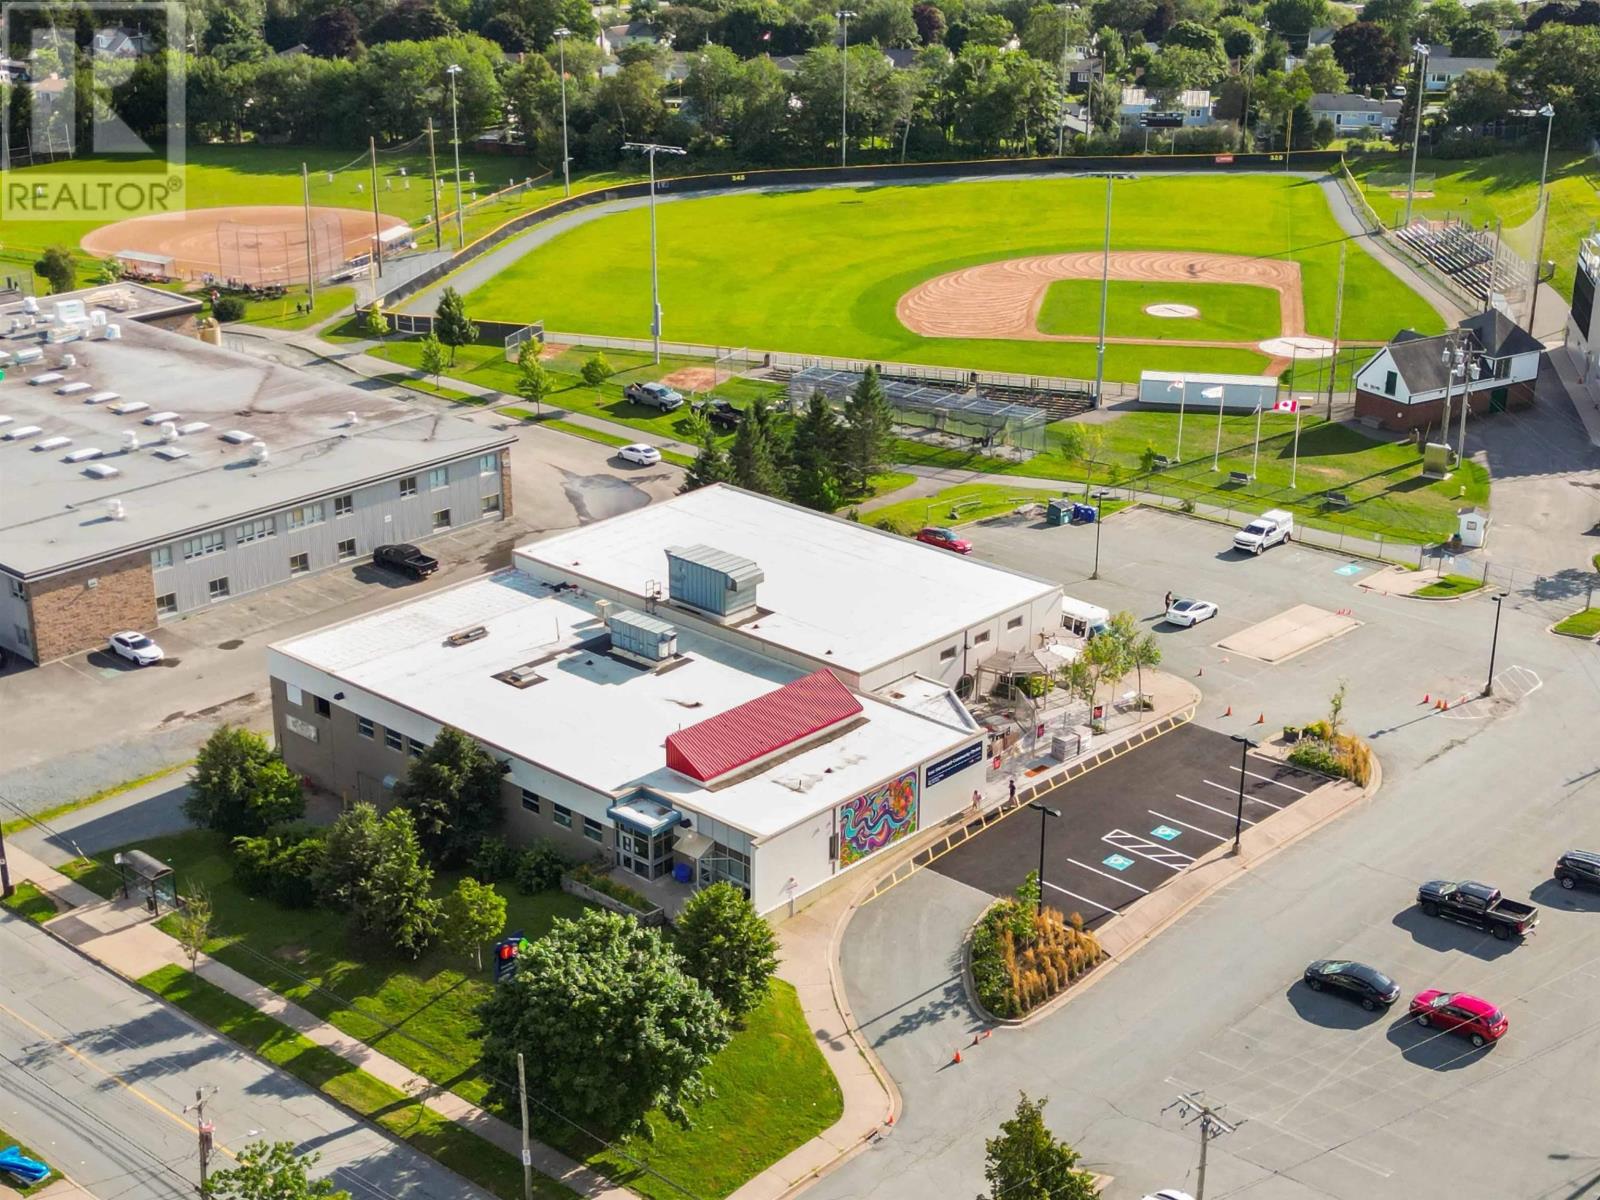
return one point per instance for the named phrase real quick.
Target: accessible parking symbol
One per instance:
(1118, 862)
(1165, 832)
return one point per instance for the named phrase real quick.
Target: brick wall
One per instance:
(505, 483)
(69, 615)
(1391, 414)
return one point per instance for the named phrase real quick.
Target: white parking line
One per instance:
(1186, 825)
(1172, 860)
(1234, 791)
(1113, 878)
(1272, 781)
(1075, 896)
(1208, 808)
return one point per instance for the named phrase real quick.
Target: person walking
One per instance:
(1013, 791)
(1167, 606)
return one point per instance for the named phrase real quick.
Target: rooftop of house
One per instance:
(1137, 97)
(1500, 336)
(1352, 102)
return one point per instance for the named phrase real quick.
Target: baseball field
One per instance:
(983, 274)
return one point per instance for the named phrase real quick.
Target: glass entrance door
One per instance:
(643, 855)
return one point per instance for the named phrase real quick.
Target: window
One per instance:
(160, 557)
(591, 829)
(408, 486)
(321, 707)
(206, 543)
(19, 590)
(167, 605)
(491, 504)
(343, 506)
(347, 549)
(980, 638)
(299, 564)
(1389, 380)
(415, 748)
(729, 864)
(441, 519)
(217, 589)
(21, 632)
(562, 815)
(306, 514)
(947, 654)
(364, 727)
(393, 740)
(1014, 623)
(488, 464)
(438, 477)
(252, 531)
(530, 800)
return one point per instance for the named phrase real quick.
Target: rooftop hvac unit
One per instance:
(63, 333)
(258, 451)
(130, 440)
(97, 318)
(169, 431)
(462, 637)
(113, 332)
(28, 355)
(69, 361)
(30, 305)
(70, 310)
(114, 510)
(602, 610)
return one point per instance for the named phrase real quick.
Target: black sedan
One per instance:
(1369, 987)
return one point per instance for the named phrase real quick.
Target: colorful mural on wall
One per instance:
(874, 819)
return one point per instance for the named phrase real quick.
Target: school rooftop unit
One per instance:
(121, 442)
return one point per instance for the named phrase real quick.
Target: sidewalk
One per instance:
(120, 935)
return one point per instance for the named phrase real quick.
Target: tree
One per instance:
(433, 357)
(1475, 40)
(1176, 69)
(727, 946)
(393, 901)
(604, 1006)
(1586, 12)
(58, 268)
(1398, 18)
(453, 795)
(886, 23)
(533, 381)
(240, 785)
(1479, 98)
(191, 925)
(1240, 39)
(1296, 18)
(508, 31)
(470, 916)
(411, 21)
(1336, 709)
(595, 370)
(710, 466)
(1368, 55)
(451, 324)
(813, 457)
(867, 425)
(930, 23)
(1560, 64)
(1323, 70)
(372, 322)
(1028, 1162)
(351, 855)
(272, 1172)
(1278, 95)
(1107, 657)
(1143, 651)
(335, 33)
(1193, 34)
(754, 461)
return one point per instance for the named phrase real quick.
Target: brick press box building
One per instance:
(145, 473)
(1403, 386)
(721, 686)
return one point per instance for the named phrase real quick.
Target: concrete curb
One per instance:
(1577, 637)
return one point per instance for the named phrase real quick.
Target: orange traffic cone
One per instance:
(1200, 672)
(1229, 713)
(1445, 704)
(957, 1058)
(1426, 698)
(890, 1121)
(1262, 719)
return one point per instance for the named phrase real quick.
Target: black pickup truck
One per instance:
(406, 559)
(1477, 905)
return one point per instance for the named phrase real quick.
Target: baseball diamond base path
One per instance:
(258, 244)
(1002, 299)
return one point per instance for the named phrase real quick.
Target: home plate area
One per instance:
(1172, 310)
(1289, 633)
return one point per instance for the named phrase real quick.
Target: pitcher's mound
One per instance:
(1289, 633)
(1298, 345)
(1172, 310)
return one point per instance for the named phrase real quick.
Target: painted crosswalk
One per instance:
(1156, 852)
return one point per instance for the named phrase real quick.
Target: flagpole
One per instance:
(1216, 453)
(1294, 468)
(1255, 458)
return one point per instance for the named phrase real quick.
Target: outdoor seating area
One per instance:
(1460, 252)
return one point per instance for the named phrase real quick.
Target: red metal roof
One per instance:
(759, 727)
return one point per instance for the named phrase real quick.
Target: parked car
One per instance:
(1578, 867)
(722, 415)
(1190, 612)
(135, 647)
(1457, 1012)
(653, 395)
(645, 456)
(945, 539)
(1368, 986)
(1479, 906)
(406, 559)
(1268, 529)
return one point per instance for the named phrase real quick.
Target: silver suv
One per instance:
(653, 395)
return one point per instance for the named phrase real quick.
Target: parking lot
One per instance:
(1128, 827)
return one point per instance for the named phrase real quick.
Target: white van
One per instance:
(1082, 619)
(1268, 529)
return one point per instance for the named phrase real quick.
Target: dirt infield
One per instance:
(252, 244)
(691, 379)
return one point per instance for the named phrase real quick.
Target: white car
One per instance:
(1265, 531)
(135, 647)
(645, 456)
(1190, 612)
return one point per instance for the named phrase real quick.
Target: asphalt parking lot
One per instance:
(1128, 827)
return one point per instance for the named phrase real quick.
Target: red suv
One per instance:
(945, 539)
(1456, 1012)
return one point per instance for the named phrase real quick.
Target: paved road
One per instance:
(1337, 1103)
(96, 1075)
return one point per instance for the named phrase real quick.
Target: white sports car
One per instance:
(645, 456)
(135, 647)
(1190, 612)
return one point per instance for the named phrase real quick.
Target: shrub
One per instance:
(727, 946)
(494, 859)
(595, 370)
(892, 526)
(1034, 686)
(607, 886)
(278, 867)
(1316, 755)
(1020, 958)
(539, 868)
(1344, 757)
(228, 308)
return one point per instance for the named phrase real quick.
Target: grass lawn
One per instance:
(400, 379)
(28, 901)
(976, 501)
(888, 481)
(1581, 624)
(1447, 586)
(821, 271)
(459, 1149)
(16, 1184)
(1229, 312)
(280, 314)
(1504, 187)
(591, 435)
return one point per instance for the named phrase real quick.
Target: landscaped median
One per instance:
(966, 503)
(1020, 954)
(1585, 624)
(1448, 587)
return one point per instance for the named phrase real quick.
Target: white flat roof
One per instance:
(594, 719)
(841, 593)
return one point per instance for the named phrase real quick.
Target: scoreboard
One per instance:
(1585, 319)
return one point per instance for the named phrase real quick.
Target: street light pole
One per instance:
(1548, 112)
(1245, 746)
(455, 137)
(844, 15)
(1494, 645)
(651, 149)
(1099, 503)
(1066, 38)
(1416, 137)
(1044, 813)
(561, 36)
(1216, 453)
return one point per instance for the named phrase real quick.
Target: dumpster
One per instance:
(1059, 512)
(1083, 514)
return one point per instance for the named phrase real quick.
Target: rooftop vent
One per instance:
(83, 455)
(172, 453)
(157, 418)
(352, 419)
(113, 333)
(29, 354)
(53, 443)
(102, 397)
(21, 432)
(47, 378)
(521, 677)
(5, 358)
(237, 437)
(69, 362)
(130, 440)
(115, 511)
(102, 471)
(169, 431)
(72, 389)
(30, 305)
(192, 427)
(258, 451)
(712, 581)
(125, 407)
(476, 634)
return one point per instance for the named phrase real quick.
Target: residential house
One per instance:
(122, 43)
(1081, 71)
(1444, 68)
(1403, 386)
(1195, 104)
(612, 40)
(1350, 112)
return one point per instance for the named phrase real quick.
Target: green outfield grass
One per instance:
(821, 271)
(1229, 312)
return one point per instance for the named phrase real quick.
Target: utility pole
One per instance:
(5, 872)
(1211, 1126)
(453, 70)
(1338, 314)
(377, 229)
(561, 36)
(650, 150)
(1421, 52)
(1066, 37)
(844, 15)
(527, 1154)
(433, 183)
(204, 1130)
(311, 269)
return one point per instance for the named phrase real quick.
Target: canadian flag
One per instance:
(1286, 406)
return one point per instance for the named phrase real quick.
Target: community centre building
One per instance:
(149, 473)
(720, 686)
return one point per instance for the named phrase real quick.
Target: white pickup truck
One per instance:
(1268, 529)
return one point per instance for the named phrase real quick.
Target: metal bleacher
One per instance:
(1460, 252)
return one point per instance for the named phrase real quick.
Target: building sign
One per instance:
(874, 819)
(304, 728)
(938, 772)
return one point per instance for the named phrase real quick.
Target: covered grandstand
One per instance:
(967, 414)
